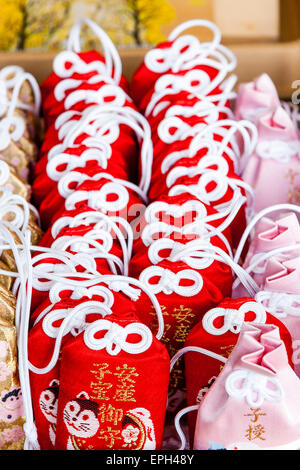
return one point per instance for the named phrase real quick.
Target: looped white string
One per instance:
(229, 130)
(254, 387)
(112, 58)
(74, 320)
(15, 83)
(187, 52)
(177, 425)
(278, 150)
(99, 155)
(115, 339)
(89, 244)
(233, 319)
(13, 127)
(169, 282)
(88, 279)
(23, 291)
(257, 218)
(200, 225)
(119, 226)
(103, 123)
(175, 210)
(178, 251)
(260, 260)
(115, 94)
(99, 199)
(80, 292)
(78, 323)
(280, 304)
(175, 358)
(204, 164)
(123, 286)
(15, 209)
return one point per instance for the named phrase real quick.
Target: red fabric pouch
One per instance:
(44, 386)
(117, 398)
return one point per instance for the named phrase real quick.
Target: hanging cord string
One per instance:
(112, 58)
(256, 219)
(100, 219)
(22, 258)
(264, 257)
(188, 409)
(119, 115)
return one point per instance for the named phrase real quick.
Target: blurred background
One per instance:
(44, 24)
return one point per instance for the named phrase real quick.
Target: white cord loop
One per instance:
(233, 319)
(115, 339)
(254, 387)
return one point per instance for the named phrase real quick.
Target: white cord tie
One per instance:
(233, 319)
(115, 339)
(169, 282)
(99, 199)
(254, 387)
(280, 304)
(123, 286)
(278, 150)
(78, 321)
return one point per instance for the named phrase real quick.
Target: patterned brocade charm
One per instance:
(11, 402)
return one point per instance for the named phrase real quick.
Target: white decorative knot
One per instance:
(193, 228)
(233, 319)
(202, 168)
(173, 128)
(123, 286)
(78, 292)
(169, 282)
(280, 304)
(204, 108)
(115, 94)
(161, 60)
(70, 161)
(75, 318)
(278, 150)
(199, 190)
(191, 253)
(176, 211)
(100, 199)
(254, 387)
(90, 242)
(67, 63)
(42, 272)
(115, 338)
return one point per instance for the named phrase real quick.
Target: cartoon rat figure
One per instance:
(11, 405)
(48, 404)
(80, 418)
(138, 430)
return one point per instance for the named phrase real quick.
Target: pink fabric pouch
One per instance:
(281, 294)
(275, 161)
(255, 396)
(282, 234)
(256, 98)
